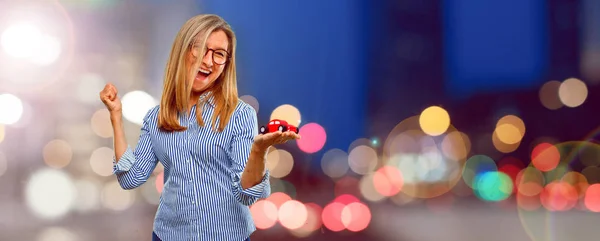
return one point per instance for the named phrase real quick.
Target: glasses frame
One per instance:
(214, 51)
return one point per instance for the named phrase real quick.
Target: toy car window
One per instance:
(276, 122)
(271, 122)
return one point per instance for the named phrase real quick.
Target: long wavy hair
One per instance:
(177, 87)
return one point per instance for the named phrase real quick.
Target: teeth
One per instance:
(204, 71)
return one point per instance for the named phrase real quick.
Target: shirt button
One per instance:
(190, 180)
(193, 202)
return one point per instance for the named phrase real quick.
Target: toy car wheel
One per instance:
(282, 128)
(263, 130)
(297, 130)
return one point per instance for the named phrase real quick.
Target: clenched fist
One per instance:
(109, 97)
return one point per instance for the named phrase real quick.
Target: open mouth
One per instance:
(202, 74)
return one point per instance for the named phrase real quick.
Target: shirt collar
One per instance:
(207, 97)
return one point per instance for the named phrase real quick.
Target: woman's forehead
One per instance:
(217, 40)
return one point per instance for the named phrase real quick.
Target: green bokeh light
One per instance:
(492, 186)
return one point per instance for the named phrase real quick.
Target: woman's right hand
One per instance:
(110, 99)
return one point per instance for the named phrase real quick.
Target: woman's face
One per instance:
(210, 69)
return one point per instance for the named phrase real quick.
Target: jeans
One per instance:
(155, 238)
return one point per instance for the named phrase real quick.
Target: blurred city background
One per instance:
(421, 119)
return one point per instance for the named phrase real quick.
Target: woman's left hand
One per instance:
(273, 138)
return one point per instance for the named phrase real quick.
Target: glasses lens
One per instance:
(220, 56)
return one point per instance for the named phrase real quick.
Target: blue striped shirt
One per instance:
(202, 197)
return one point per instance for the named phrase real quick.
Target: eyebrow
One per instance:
(218, 48)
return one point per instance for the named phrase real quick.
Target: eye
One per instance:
(221, 53)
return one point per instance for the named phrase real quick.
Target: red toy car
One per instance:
(278, 125)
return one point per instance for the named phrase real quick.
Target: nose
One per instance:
(207, 59)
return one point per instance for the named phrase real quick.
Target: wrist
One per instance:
(116, 116)
(259, 149)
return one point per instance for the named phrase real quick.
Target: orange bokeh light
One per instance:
(264, 213)
(559, 196)
(356, 216)
(592, 198)
(279, 198)
(545, 157)
(388, 181)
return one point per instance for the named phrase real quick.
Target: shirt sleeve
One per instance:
(135, 167)
(245, 126)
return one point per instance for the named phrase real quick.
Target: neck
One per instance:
(194, 98)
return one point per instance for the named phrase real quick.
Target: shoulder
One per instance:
(244, 114)
(244, 108)
(152, 115)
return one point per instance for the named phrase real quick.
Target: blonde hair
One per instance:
(177, 89)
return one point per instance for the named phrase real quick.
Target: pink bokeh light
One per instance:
(313, 138)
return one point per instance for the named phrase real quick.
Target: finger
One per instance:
(291, 135)
(270, 137)
(114, 89)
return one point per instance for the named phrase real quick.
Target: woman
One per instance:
(204, 136)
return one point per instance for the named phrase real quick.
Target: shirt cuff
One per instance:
(125, 163)
(259, 189)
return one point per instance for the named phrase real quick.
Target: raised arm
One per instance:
(132, 168)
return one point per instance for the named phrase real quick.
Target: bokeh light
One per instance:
(113, 197)
(475, 166)
(48, 51)
(313, 221)
(530, 181)
(356, 216)
(100, 123)
(502, 146)
(493, 186)
(545, 157)
(136, 105)
(57, 153)
(279, 162)
(264, 213)
(558, 196)
(572, 92)
(11, 109)
(21, 40)
(252, 101)
(592, 198)
(456, 145)
(87, 196)
(313, 138)
(434, 120)
(50, 193)
(279, 198)
(510, 129)
(292, 214)
(335, 163)
(332, 216)
(549, 95)
(362, 159)
(100, 161)
(288, 113)
(388, 181)
(368, 190)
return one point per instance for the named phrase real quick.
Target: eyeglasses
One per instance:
(219, 56)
